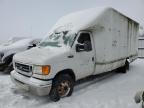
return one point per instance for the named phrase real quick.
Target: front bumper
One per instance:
(35, 86)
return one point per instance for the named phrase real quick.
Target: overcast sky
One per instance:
(36, 17)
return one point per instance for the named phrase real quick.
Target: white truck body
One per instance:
(113, 39)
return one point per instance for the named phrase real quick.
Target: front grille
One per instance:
(23, 67)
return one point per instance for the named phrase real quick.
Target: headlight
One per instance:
(44, 70)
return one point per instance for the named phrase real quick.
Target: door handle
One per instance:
(93, 59)
(70, 56)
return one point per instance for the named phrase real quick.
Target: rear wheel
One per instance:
(62, 86)
(127, 65)
(122, 69)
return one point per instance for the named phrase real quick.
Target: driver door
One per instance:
(84, 59)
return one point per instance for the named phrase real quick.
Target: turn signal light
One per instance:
(46, 70)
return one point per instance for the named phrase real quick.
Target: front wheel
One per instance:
(62, 86)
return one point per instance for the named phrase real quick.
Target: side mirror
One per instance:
(79, 47)
(31, 46)
(84, 47)
(34, 45)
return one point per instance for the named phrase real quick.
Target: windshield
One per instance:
(60, 39)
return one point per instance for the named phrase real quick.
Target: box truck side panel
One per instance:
(102, 40)
(135, 39)
(119, 36)
(115, 42)
(123, 37)
(132, 39)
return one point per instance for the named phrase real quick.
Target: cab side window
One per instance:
(84, 38)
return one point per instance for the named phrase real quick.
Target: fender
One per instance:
(67, 71)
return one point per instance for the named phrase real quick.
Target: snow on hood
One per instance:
(39, 55)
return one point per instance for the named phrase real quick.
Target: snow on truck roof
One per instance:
(82, 19)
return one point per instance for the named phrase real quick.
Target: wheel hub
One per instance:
(64, 88)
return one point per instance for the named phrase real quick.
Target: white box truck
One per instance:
(81, 44)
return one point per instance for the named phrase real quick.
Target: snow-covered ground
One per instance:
(112, 91)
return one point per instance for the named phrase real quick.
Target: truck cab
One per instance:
(65, 54)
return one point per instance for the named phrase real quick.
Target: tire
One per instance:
(127, 65)
(122, 69)
(62, 86)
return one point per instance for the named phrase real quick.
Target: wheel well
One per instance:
(127, 60)
(67, 71)
(8, 59)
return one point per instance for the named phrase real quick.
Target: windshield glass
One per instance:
(60, 39)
